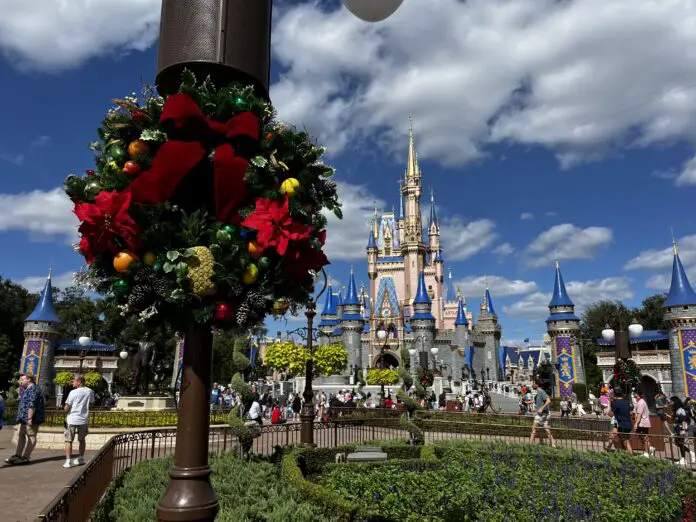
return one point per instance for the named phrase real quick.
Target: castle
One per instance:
(425, 317)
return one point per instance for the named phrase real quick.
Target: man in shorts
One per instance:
(77, 408)
(542, 405)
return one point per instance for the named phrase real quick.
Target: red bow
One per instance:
(176, 158)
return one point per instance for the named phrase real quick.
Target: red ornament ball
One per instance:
(223, 312)
(131, 168)
(90, 172)
(139, 116)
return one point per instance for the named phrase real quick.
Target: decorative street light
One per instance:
(372, 10)
(124, 354)
(621, 338)
(84, 341)
(434, 351)
(412, 353)
(382, 337)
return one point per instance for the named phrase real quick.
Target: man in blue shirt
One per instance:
(29, 416)
(542, 410)
(621, 411)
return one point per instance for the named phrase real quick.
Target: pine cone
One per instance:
(236, 289)
(256, 300)
(140, 298)
(242, 315)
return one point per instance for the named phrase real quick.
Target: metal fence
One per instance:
(81, 495)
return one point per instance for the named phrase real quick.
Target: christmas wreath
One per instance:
(202, 207)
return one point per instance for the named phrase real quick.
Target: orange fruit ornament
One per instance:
(289, 187)
(138, 147)
(254, 250)
(124, 260)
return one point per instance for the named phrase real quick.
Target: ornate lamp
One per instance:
(372, 10)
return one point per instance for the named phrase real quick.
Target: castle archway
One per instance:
(649, 387)
(386, 361)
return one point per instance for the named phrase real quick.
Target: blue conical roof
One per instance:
(680, 291)
(489, 302)
(352, 293)
(371, 242)
(422, 296)
(329, 304)
(560, 295)
(339, 298)
(433, 215)
(461, 319)
(44, 310)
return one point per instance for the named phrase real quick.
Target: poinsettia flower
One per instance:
(274, 225)
(300, 258)
(106, 225)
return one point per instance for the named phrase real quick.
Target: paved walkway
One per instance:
(25, 490)
(506, 404)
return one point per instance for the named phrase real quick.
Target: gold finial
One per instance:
(412, 163)
(674, 242)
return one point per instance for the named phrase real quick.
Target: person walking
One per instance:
(680, 427)
(641, 422)
(77, 422)
(542, 403)
(621, 411)
(30, 416)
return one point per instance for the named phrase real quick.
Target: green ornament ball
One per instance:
(92, 189)
(121, 287)
(229, 229)
(157, 266)
(240, 102)
(223, 237)
(118, 154)
(263, 263)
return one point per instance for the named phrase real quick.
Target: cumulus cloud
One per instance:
(45, 215)
(54, 36)
(659, 259)
(504, 250)
(583, 293)
(36, 283)
(499, 286)
(526, 216)
(346, 238)
(687, 176)
(567, 241)
(463, 240)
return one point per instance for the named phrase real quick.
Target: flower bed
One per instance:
(497, 482)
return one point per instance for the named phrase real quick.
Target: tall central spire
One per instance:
(412, 164)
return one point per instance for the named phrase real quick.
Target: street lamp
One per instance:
(434, 351)
(382, 337)
(84, 341)
(372, 10)
(124, 354)
(412, 353)
(621, 338)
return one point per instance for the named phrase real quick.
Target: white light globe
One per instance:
(412, 351)
(123, 355)
(608, 333)
(635, 329)
(84, 340)
(434, 350)
(372, 10)
(381, 335)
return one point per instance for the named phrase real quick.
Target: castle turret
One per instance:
(563, 326)
(329, 316)
(340, 303)
(352, 324)
(461, 340)
(40, 335)
(680, 318)
(488, 326)
(422, 325)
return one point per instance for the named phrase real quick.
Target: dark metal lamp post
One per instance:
(85, 342)
(382, 336)
(622, 338)
(434, 351)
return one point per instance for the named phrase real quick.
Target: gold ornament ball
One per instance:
(281, 306)
(149, 258)
(251, 274)
(289, 187)
(124, 260)
(138, 147)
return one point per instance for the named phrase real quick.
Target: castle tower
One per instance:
(489, 327)
(563, 326)
(352, 325)
(680, 318)
(340, 303)
(372, 261)
(329, 317)
(461, 340)
(40, 335)
(423, 325)
(412, 247)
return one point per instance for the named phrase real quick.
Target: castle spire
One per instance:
(329, 307)
(352, 293)
(44, 311)
(680, 291)
(461, 319)
(433, 215)
(422, 296)
(560, 295)
(412, 164)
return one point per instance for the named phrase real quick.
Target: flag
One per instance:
(526, 340)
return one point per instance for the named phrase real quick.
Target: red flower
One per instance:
(300, 258)
(103, 222)
(274, 225)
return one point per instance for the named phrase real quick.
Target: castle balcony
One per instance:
(643, 358)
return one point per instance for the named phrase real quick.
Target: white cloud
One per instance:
(583, 293)
(499, 286)
(661, 282)
(504, 249)
(462, 240)
(43, 214)
(687, 176)
(59, 35)
(346, 238)
(526, 216)
(567, 241)
(655, 259)
(36, 283)
(578, 77)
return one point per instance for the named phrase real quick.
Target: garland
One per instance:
(202, 208)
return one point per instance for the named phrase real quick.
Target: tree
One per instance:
(618, 316)
(79, 314)
(16, 303)
(330, 359)
(288, 357)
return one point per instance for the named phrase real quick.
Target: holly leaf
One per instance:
(168, 267)
(259, 161)
(173, 255)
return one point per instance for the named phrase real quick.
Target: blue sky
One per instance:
(543, 128)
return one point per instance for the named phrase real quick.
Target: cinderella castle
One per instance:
(409, 298)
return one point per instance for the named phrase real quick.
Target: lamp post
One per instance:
(622, 338)
(382, 337)
(434, 351)
(84, 341)
(412, 353)
(420, 339)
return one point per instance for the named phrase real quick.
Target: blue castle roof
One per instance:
(438, 257)
(680, 291)
(329, 302)
(44, 310)
(422, 296)
(371, 243)
(352, 292)
(339, 299)
(433, 215)
(489, 302)
(461, 316)
(560, 295)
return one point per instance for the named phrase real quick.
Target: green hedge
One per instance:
(247, 491)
